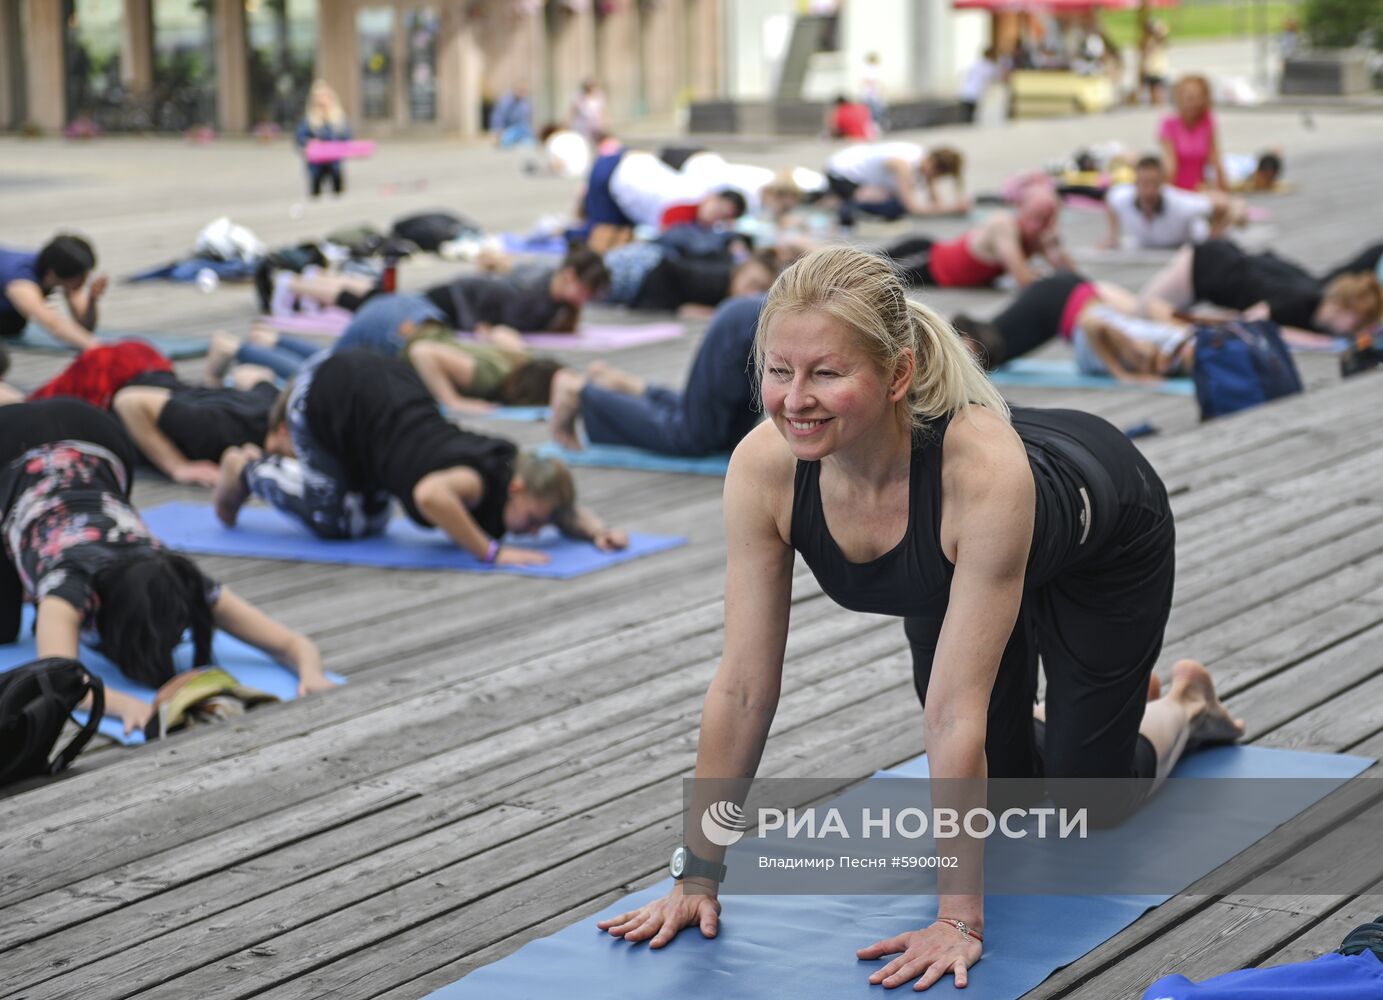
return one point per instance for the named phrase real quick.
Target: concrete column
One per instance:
(137, 47)
(9, 46)
(47, 89)
(232, 68)
(459, 73)
(616, 45)
(336, 56)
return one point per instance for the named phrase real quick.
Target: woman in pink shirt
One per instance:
(1189, 140)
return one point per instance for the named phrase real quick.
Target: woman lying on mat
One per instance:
(896, 470)
(76, 547)
(181, 429)
(355, 430)
(649, 276)
(527, 299)
(467, 376)
(715, 410)
(1266, 286)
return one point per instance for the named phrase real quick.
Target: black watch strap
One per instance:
(685, 864)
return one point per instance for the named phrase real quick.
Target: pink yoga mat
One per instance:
(333, 150)
(604, 336)
(590, 337)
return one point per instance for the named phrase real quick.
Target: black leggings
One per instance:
(913, 257)
(323, 172)
(1365, 261)
(677, 281)
(1098, 627)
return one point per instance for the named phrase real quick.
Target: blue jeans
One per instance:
(284, 359)
(311, 486)
(659, 420)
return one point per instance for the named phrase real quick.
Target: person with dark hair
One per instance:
(76, 547)
(531, 300)
(355, 430)
(849, 119)
(655, 278)
(1153, 214)
(467, 376)
(715, 409)
(27, 279)
(723, 206)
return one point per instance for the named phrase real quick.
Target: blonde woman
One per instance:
(897, 471)
(323, 120)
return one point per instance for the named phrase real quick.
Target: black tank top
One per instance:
(913, 579)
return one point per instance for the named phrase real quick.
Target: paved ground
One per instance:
(507, 756)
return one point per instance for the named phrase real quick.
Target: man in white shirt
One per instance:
(1151, 214)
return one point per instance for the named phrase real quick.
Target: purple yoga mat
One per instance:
(590, 337)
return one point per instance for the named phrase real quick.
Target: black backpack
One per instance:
(35, 701)
(431, 229)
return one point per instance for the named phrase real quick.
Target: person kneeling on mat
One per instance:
(76, 547)
(715, 410)
(354, 430)
(27, 279)
(895, 468)
(526, 300)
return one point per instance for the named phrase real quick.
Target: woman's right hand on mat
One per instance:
(197, 474)
(927, 955)
(512, 555)
(133, 712)
(663, 918)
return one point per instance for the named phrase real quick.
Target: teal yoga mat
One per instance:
(35, 338)
(245, 663)
(803, 946)
(1048, 373)
(266, 534)
(609, 456)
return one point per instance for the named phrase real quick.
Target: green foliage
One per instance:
(1342, 23)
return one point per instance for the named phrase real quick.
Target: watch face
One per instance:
(679, 862)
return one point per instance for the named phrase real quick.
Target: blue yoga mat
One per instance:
(185, 271)
(266, 534)
(519, 243)
(35, 338)
(521, 414)
(1053, 373)
(245, 663)
(612, 456)
(803, 946)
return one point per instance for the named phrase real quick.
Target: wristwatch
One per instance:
(685, 864)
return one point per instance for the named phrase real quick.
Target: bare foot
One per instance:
(1210, 721)
(566, 407)
(220, 356)
(230, 494)
(608, 377)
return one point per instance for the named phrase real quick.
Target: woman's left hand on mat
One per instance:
(926, 956)
(609, 540)
(314, 684)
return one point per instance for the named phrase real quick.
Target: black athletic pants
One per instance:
(320, 173)
(677, 281)
(1365, 261)
(1098, 628)
(913, 257)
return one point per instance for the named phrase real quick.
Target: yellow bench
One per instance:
(1049, 93)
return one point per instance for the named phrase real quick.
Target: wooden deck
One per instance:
(508, 754)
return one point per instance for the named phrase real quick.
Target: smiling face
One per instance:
(821, 389)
